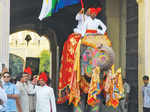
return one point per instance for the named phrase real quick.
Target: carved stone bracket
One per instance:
(139, 1)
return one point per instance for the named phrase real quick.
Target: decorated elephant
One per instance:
(86, 73)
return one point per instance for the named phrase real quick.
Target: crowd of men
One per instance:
(28, 94)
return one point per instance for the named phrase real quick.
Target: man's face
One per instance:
(6, 77)
(24, 78)
(124, 81)
(41, 82)
(29, 77)
(93, 15)
(146, 82)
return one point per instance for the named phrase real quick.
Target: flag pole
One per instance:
(82, 4)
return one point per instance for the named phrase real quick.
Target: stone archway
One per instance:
(51, 36)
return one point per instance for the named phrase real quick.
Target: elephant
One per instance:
(85, 64)
(95, 50)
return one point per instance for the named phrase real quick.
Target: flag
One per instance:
(52, 6)
(47, 8)
(63, 3)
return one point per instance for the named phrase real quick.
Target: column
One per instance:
(4, 31)
(143, 46)
(113, 27)
(123, 34)
(147, 37)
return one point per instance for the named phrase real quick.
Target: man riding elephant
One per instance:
(83, 62)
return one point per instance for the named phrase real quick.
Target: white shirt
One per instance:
(23, 94)
(45, 99)
(126, 88)
(32, 97)
(146, 96)
(3, 97)
(94, 24)
(81, 18)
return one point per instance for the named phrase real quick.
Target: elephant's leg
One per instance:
(82, 105)
(96, 108)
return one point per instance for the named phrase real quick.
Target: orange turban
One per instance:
(43, 76)
(98, 10)
(95, 10)
(28, 70)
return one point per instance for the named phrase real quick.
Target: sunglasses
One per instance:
(6, 76)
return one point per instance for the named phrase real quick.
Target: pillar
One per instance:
(113, 25)
(4, 31)
(143, 46)
(122, 37)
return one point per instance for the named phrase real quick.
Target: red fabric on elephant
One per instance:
(66, 69)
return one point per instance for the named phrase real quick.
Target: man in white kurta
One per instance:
(45, 99)
(81, 18)
(93, 24)
(24, 90)
(32, 99)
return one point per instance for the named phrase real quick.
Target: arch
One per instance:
(51, 36)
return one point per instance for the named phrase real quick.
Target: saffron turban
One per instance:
(95, 10)
(28, 70)
(43, 76)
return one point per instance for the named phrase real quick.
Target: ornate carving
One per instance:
(139, 1)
